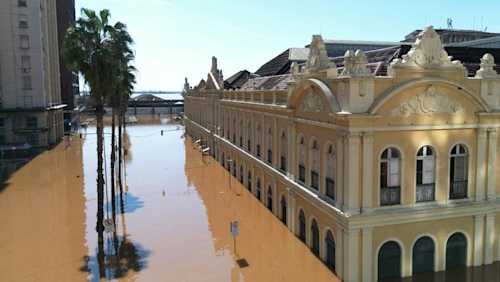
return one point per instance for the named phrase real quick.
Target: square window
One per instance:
(2, 139)
(21, 3)
(25, 42)
(27, 82)
(25, 63)
(23, 21)
(2, 123)
(33, 139)
(31, 122)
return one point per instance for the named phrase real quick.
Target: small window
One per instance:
(25, 42)
(2, 139)
(31, 122)
(21, 3)
(25, 63)
(23, 21)
(33, 139)
(27, 82)
(2, 123)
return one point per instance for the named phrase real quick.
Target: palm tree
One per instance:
(90, 47)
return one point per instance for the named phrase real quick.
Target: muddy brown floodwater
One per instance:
(174, 225)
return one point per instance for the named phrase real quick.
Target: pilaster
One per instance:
(480, 163)
(339, 197)
(275, 142)
(478, 239)
(351, 242)
(489, 239)
(367, 238)
(339, 250)
(351, 175)
(367, 171)
(492, 162)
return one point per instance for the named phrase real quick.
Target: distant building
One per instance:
(336, 48)
(450, 36)
(30, 96)
(69, 78)
(385, 163)
(490, 42)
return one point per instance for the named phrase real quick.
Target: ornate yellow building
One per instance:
(380, 175)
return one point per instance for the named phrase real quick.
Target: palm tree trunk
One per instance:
(113, 158)
(99, 112)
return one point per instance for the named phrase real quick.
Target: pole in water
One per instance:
(234, 244)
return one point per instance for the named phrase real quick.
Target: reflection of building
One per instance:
(383, 163)
(69, 79)
(30, 97)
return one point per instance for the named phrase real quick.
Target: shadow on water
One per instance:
(120, 257)
(131, 203)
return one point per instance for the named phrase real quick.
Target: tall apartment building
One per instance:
(30, 95)
(69, 79)
(383, 163)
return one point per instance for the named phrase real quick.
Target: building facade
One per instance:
(30, 96)
(381, 176)
(69, 79)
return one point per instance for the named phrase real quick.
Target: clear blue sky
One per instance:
(177, 38)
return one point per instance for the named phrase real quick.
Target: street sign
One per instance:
(109, 226)
(234, 228)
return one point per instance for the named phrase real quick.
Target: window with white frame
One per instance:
(390, 177)
(425, 174)
(23, 21)
(458, 172)
(314, 164)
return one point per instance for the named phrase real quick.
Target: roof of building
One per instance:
(237, 80)
(159, 96)
(276, 82)
(476, 42)
(362, 42)
(281, 63)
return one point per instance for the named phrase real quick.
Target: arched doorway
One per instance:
(302, 226)
(234, 168)
(270, 198)
(389, 261)
(283, 210)
(257, 194)
(315, 237)
(456, 251)
(330, 250)
(241, 174)
(423, 255)
(249, 181)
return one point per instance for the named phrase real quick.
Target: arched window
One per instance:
(330, 172)
(257, 194)
(315, 237)
(423, 255)
(269, 145)
(241, 174)
(283, 151)
(270, 198)
(234, 168)
(389, 261)
(330, 250)
(283, 210)
(258, 141)
(458, 172)
(302, 226)
(314, 164)
(390, 190)
(249, 181)
(227, 128)
(223, 160)
(222, 127)
(249, 137)
(456, 251)
(234, 130)
(302, 160)
(425, 174)
(240, 133)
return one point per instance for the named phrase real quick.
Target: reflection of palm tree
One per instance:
(126, 147)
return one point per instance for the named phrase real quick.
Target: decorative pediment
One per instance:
(428, 103)
(318, 57)
(313, 103)
(426, 53)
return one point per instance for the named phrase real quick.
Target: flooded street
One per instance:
(174, 225)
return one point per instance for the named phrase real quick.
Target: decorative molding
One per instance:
(318, 57)
(493, 132)
(481, 133)
(353, 138)
(341, 88)
(486, 67)
(355, 64)
(313, 103)
(430, 102)
(426, 53)
(362, 89)
(368, 137)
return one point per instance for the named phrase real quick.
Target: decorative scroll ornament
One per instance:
(427, 53)
(430, 102)
(318, 57)
(313, 103)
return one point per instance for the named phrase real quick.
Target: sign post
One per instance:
(109, 225)
(234, 228)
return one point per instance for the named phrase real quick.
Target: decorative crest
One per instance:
(427, 53)
(487, 65)
(318, 58)
(313, 103)
(428, 103)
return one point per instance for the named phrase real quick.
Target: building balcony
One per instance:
(314, 180)
(330, 188)
(425, 193)
(390, 196)
(458, 189)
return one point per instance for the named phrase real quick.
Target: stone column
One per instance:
(351, 174)
(339, 197)
(351, 242)
(492, 162)
(478, 239)
(275, 143)
(367, 253)
(339, 247)
(367, 171)
(480, 164)
(292, 211)
(489, 239)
